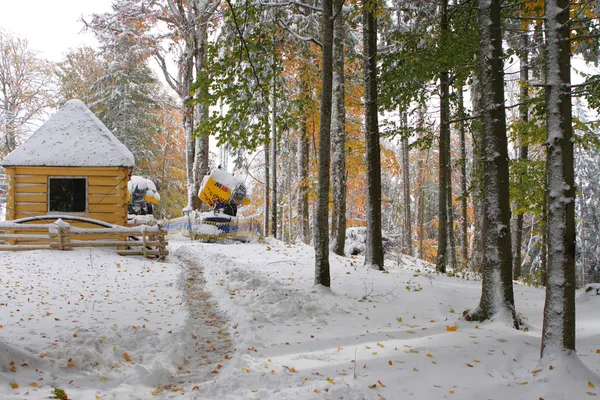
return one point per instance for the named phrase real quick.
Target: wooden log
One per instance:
(23, 236)
(136, 252)
(108, 243)
(17, 247)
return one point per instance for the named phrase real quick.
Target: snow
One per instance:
(244, 321)
(73, 137)
(144, 185)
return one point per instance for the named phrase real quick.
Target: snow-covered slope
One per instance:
(244, 321)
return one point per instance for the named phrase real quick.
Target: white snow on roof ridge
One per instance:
(72, 137)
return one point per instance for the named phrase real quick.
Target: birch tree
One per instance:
(25, 90)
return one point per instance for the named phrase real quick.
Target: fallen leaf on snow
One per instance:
(451, 328)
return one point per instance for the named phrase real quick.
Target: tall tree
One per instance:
(302, 161)
(273, 157)
(25, 90)
(444, 178)
(127, 97)
(374, 241)
(187, 23)
(321, 226)
(338, 133)
(464, 221)
(497, 291)
(558, 334)
(407, 236)
(77, 73)
(523, 145)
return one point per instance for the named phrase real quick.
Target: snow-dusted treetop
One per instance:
(73, 137)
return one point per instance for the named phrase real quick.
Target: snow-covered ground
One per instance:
(244, 321)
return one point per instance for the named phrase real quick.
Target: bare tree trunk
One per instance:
(273, 160)
(302, 201)
(523, 148)
(497, 290)
(201, 152)
(338, 133)
(558, 334)
(407, 237)
(464, 222)
(476, 261)
(321, 228)
(267, 199)
(420, 184)
(374, 244)
(444, 151)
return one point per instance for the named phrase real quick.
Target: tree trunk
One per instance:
(302, 200)
(523, 148)
(476, 261)
(558, 334)
(421, 182)
(273, 160)
(374, 243)
(497, 291)
(321, 227)
(267, 199)
(338, 133)
(201, 143)
(464, 222)
(444, 151)
(407, 237)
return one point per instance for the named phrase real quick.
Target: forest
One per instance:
(450, 130)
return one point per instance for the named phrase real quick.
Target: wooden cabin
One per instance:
(72, 165)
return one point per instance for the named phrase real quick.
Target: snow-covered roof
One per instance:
(73, 137)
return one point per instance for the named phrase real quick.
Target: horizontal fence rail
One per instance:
(149, 241)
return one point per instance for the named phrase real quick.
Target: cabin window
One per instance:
(67, 194)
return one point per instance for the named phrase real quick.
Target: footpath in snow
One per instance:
(244, 321)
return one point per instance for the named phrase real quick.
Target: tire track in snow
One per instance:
(205, 342)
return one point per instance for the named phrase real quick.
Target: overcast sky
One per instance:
(50, 26)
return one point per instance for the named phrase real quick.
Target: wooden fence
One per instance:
(149, 241)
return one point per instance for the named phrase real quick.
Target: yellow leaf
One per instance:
(339, 348)
(246, 370)
(14, 385)
(430, 355)
(390, 362)
(292, 369)
(452, 392)
(330, 380)
(380, 345)
(451, 328)
(373, 386)
(400, 320)
(591, 385)
(597, 351)
(591, 394)
(127, 357)
(381, 384)
(535, 371)
(196, 388)
(523, 383)
(416, 370)
(33, 384)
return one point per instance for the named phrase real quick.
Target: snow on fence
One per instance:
(149, 241)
